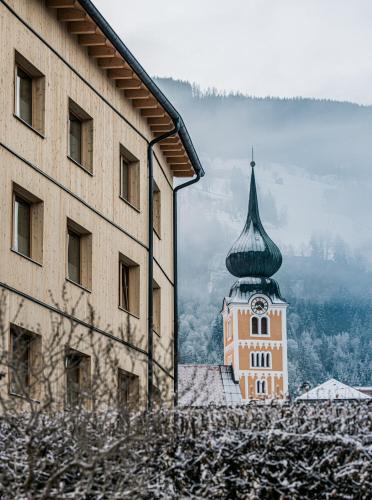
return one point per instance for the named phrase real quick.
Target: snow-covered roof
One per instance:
(333, 389)
(203, 385)
(244, 288)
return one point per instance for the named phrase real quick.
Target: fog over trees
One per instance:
(314, 186)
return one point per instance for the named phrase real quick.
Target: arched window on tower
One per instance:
(264, 329)
(253, 364)
(263, 364)
(254, 326)
(258, 359)
(268, 360)
(261, 387)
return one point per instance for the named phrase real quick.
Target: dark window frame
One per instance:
(73, 236)
(255, 327)
(35, 224)
(36, 118)
(129, 281)
(30, 356)
(156, 308)
(75, 230)
(77, 392)
(19, 201)
(85, 157)
(20, 104)
(130, 171)
(156, 209)
(128, 390)
(72, 118)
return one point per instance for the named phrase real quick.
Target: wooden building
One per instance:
(254, 313)
(87, 206)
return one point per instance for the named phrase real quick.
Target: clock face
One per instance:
(259, 305)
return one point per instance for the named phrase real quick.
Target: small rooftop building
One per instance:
(333, 390)
(203, 385)
(365, 390)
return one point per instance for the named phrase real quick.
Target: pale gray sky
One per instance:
(312, 48)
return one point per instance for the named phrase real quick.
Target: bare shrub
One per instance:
(91, 443)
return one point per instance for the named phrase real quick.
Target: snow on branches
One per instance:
(276, 451)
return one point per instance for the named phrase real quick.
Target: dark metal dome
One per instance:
(253, 254)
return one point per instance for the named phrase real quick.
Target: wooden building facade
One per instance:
(77, 115)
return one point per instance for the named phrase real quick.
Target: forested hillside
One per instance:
(314, 185)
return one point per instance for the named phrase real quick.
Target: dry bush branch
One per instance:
(94, 446)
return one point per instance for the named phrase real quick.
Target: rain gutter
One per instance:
(175, 280)
(150, 265)
(181, 130)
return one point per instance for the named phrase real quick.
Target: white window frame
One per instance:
(259, 334)
(256, 359)
(259, 384)
(15, 246)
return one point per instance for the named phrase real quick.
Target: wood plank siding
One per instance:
(79, 65)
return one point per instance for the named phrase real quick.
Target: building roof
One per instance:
(366, 390)
(253, 254)
(203, 385)
(244, 288)
(83, 20)
(332, 390)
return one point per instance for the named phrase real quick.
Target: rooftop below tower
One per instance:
(244, 288)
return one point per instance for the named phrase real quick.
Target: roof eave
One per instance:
(116, 41)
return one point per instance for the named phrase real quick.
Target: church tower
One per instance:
(254, 313)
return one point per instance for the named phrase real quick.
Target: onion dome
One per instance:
(253, 254)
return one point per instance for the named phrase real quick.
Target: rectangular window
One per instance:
(80, 137)
(156, 394)
(22, 226)
(75, 138)
(77, 369)
(129, 285)
(25, 373)
(254, 325)
(74, 257)
(261, 359)
(129, 178)
(156, 209)
(125, 178)
(124, 282)
(28, 216)
(156, 307)
(128, 390)
(264, 329)
(79, 255)
(29, 93)
(24, 96)
(261, 387)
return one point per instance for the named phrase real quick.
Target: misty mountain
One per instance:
(314, 186)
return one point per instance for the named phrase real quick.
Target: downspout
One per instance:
(175, 280)
(150, 302)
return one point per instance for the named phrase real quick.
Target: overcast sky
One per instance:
(315, 48)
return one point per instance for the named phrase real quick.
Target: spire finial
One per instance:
(252, 162)
(254, 254)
